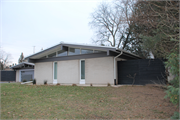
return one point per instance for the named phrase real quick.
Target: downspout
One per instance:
(115, 70)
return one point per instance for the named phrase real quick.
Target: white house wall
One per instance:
(43, 71)
(68, 72)
(97, 71)
(17, 75)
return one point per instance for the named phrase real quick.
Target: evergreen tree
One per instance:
(21, 58)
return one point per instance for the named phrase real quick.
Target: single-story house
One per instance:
(24, 71)
(67, 63)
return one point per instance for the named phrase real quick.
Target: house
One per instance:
(24, 71)
(67, 63)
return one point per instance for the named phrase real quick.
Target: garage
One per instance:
(27, 75)
(24, 71)
(141, 72)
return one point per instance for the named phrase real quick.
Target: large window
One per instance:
(82, 69)
(52, 55)
(43, 57)
(74, 51)
(62, 53)
(97, 51)
(85, 51)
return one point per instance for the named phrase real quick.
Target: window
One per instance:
(74, 51)
(82, 69)
(52, 55)
(97, 51)
(43, 57)
(55, 70)
(85, 51)
(62, 53)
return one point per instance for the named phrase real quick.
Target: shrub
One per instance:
(58, 84)
(24, 80)
(175, 116)
(45, 82)
(34, 81)
(173, 90)
(108, 84)
(74, 85)
(31, 79)
(91, 84)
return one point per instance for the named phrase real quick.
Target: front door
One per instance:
(55, 73)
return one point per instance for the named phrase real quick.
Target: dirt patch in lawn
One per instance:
(142, 102)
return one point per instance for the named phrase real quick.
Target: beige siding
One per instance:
(99, 70)
(43, 71)
(68, 72)
(17, 75)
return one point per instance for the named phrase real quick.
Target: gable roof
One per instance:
(111, 51)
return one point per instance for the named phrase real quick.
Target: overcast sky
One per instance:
(44, 23)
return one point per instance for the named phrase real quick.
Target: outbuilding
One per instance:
(24, 71)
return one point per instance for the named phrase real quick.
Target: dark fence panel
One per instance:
(8, 75)
(148, 71)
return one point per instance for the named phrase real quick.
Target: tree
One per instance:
(113, 26)
(21, 58)
(157, 23)
(4, 59)
(108, 22)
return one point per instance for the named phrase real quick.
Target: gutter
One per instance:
(115, 70)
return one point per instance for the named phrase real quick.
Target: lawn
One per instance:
(73, 102)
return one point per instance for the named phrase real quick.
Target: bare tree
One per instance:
(4, 59)
(109, 24)
(133, 77)
(114, 27)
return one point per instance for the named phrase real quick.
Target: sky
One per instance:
(44, 23)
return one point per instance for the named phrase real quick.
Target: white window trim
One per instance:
(82, 81)
(55, 80)
(24, 70)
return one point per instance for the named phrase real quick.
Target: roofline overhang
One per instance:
(65, 46)
(22, 64)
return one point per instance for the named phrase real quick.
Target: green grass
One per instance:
(66, 102)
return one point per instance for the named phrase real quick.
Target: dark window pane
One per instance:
(62, 53)
(82, 69)
(97, 51)
(43, 57)
(84, 51)
(52, 55)
(74, 51)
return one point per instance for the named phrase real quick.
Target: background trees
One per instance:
(157, 23)
(21, 58)
(4, 59)
(114, 27)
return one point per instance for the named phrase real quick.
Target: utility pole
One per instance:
(34, 49)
